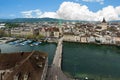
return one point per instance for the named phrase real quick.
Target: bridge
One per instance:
(55, 72)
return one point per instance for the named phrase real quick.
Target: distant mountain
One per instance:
(38, 20)
(4, 20)
(29, 20)
(44, 20)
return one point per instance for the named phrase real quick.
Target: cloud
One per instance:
(110, 12)
(76, 11)
(32, 13)
(99, 1)
(50, 15)
(38, 14)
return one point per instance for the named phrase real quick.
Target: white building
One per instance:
(2, 25)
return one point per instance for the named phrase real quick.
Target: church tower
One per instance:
(104, 21)
(103, 24)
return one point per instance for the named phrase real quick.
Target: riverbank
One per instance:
(6, 39)
(117, 45)
(55, 40)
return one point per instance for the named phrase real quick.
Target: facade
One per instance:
(83, 39)
(56, 32)
(116, 40)
(23, 66)
(49, 32)
(23, 31)
(77, 38)
(69, 37)
(44, 32)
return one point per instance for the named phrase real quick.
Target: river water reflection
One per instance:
(98, 62)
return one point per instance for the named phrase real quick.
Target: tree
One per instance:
(11, 25)
(39, 36)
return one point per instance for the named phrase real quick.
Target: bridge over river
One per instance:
(54, 71)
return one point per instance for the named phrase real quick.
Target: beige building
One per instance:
(23, 31)
(49, 32)
(83, 39)
(69, 37)
(77, 38)
(116, 40)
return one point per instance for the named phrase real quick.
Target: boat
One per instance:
(36, 43)
(15, 42)
(26, 42)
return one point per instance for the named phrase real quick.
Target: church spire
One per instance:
(104, 21)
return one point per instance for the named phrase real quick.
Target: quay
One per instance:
(54, 71)
(6, 39)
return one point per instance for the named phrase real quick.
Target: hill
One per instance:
(29, 20)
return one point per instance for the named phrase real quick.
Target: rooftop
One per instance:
(20, 64)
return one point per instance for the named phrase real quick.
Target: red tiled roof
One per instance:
(23, 63)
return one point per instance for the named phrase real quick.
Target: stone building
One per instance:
(23, 31)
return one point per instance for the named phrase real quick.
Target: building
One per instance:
(23, 66)
(2, 25)
(69, 37)
(83, 39)
(55, 32)
(103, 25)
(24, 31)
(44, 32)
(49, 32)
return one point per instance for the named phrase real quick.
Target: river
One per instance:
(97, 62)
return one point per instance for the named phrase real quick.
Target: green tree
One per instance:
(11, 25)
(39, 36)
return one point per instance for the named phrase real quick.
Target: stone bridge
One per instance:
(54, 71)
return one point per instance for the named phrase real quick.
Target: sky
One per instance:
(93, 10)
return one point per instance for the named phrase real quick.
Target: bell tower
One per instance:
(104, 24)
(103, 21)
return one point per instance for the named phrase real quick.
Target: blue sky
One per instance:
(14, 8)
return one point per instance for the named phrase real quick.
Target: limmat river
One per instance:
(44, 47)
(97, 62)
